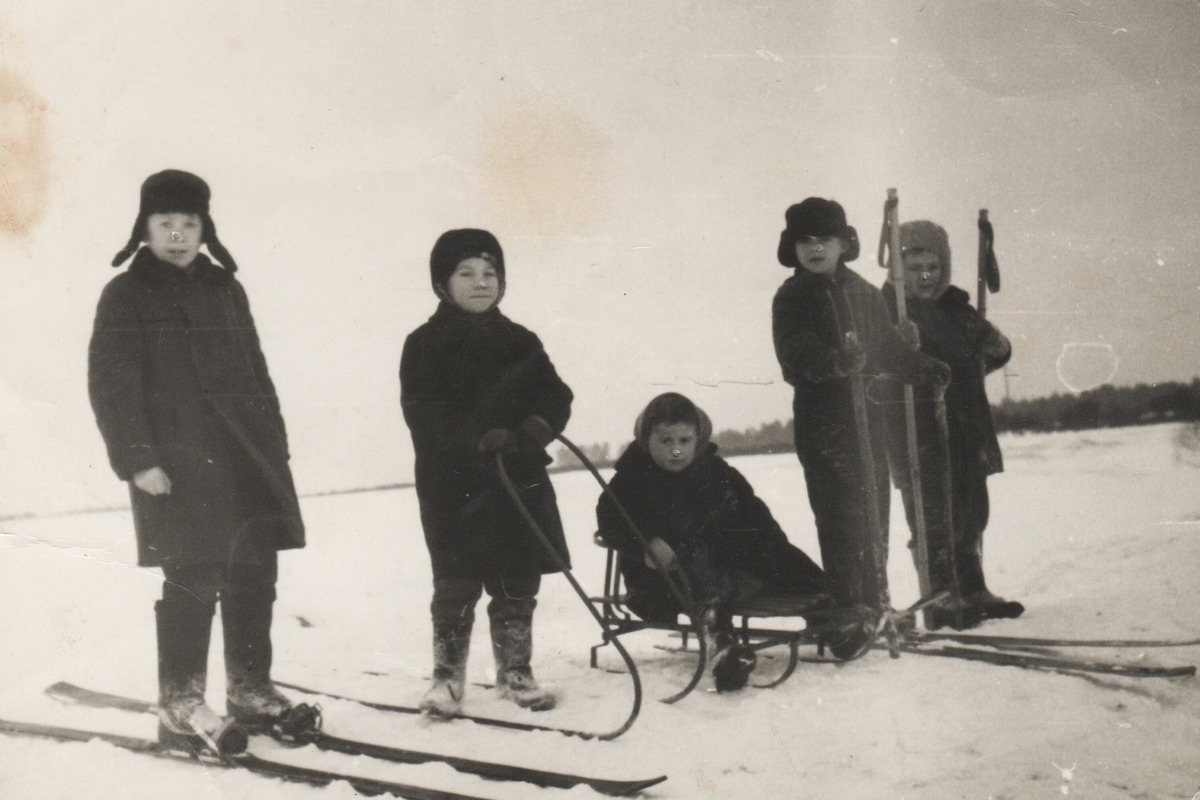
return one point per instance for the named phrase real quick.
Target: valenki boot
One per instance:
(185, 721)
(451, 646)
(512, 646)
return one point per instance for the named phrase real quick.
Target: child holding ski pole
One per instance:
(955, 333)
(700, 517)
(472, 384)
(812, 314)
(190, 418)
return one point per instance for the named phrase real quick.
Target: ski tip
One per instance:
(624, 788)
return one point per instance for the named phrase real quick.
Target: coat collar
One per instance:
(146, 267)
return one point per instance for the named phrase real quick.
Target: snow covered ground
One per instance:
(1098, 533)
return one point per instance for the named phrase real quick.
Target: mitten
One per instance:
(907, 330)
(498, 440)
(538, 430)
(850, 358)
(986, 337)
(935, 374)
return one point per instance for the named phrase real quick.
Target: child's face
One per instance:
(819, 254)
(174, 237)
(474, 285)
(673, 445)
(922, 273)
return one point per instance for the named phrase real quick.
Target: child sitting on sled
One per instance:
(701, 520)
(474, 384)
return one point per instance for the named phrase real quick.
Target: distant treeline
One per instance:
(1105, 407)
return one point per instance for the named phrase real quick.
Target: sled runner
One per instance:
(849, 633)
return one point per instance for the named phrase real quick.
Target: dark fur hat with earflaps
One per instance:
(815, 216)
(175, 191)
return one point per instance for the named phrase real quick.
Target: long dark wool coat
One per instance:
(727, 541)
(177, 380)
(809, 316)
(461, 375)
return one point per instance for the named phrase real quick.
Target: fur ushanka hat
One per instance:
(931, 238)
(671, 408)
(815, 216)
(453, 246)
(175, 191)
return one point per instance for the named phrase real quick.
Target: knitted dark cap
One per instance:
(815, 216)
(174, 191)
(456, 245)
(668, 409)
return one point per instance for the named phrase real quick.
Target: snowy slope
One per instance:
(1098, 533)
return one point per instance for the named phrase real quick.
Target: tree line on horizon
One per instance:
(1104, 407)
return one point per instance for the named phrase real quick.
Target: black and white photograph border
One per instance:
(635, 160)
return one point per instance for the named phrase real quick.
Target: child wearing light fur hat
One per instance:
(952, 331)
(473, 383)
(812, 310)
(190, 418)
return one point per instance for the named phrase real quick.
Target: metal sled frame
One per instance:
(820, 621)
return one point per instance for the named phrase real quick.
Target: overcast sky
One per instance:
(634, 159)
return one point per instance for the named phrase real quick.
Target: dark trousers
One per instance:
(970, 510)
(184, 618)
(838, 494)
(513, 595)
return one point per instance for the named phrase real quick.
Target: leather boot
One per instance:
(185, 720)
(250, 696)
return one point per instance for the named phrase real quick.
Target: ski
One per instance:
(496, 771)
(1048, 663)
(370, 787)
(1017, 642)
(524, 727)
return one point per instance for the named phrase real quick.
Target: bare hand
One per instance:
(664, 553)
(153, 481)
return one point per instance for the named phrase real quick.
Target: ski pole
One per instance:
(866, 457)
(896, 272)
(989, 270)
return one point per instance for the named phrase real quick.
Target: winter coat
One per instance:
(725, 537)
(461, 375)
(810, 314)
(953, 331)
(178, 380)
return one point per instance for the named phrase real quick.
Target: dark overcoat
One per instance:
(725, 536)
(178, 380)
(952, 331)
(463, 374)
(810, 315)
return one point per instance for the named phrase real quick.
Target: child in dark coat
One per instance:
(813, 311)
(955, 333)
(190, 418)
(698, 514)
(702, 520)
(474, 384)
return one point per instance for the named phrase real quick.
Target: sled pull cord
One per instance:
(566, 571)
